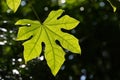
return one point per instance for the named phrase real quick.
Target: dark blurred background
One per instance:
(98, 32)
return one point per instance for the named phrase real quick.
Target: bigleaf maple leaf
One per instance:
(49, 32)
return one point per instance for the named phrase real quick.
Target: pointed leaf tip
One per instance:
(13, 4)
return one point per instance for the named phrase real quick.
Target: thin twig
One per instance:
(35, 13)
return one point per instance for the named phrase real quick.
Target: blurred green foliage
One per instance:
(98, 33)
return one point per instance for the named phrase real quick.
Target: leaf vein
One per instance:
(35, 42)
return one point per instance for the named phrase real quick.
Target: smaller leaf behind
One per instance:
(13, 4)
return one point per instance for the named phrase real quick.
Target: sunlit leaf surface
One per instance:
(49, 32)
(13, 4)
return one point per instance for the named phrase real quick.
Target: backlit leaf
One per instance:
(49, 32)
(13, 4)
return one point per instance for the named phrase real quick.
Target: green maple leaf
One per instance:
(13, 4)
(49, 32)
